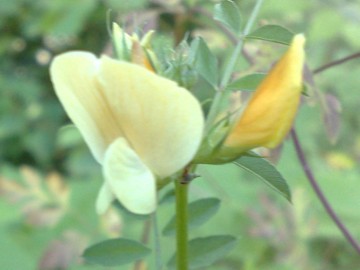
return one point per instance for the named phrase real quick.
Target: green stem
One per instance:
(220, 94)
(253, 16)
(144, 239)
(231, 65)
(181, 193)
(158, 258)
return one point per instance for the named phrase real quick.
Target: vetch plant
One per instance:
(144, 129)
(147, 130)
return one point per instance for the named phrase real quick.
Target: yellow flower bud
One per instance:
(271, 110)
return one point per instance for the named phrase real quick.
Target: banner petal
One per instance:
(74, 76)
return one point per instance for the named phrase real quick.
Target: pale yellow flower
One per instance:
(270, 112)
(139, 126)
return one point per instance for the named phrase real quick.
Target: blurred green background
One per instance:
(49, 181)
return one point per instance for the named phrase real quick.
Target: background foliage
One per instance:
(48, 180)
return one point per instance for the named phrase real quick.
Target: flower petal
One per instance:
(270, 112)
(162, 121)
(74, 78)
(104, 199)
(129, 179)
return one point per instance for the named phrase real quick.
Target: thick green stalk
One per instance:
(181, 193)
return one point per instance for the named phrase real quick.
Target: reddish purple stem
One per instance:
(320, 194)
